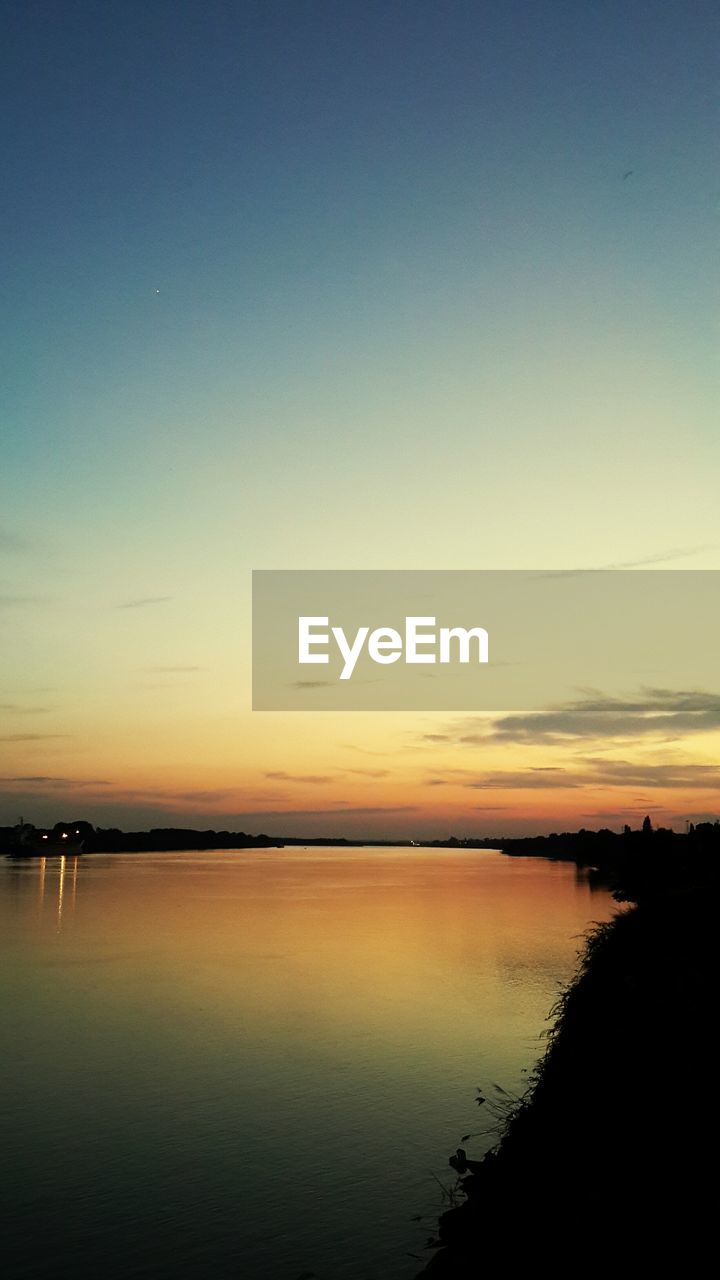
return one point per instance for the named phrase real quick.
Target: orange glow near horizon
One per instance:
(382, 776)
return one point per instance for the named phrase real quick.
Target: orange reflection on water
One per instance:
(391, 945)
(61, 887)
(41, 885)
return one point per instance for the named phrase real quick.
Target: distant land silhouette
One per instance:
(632, 862)
(93, 839)
(157, 840)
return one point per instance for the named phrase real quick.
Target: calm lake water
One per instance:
(251, 1064)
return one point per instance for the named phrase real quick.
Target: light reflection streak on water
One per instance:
(61, 888)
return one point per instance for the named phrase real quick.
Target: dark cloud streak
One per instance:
(654, 713)
(142, 601)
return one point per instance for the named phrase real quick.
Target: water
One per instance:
(250, 1064)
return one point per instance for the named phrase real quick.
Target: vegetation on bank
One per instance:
(620, 859)
(649, 855)
(167, 839)
(158, 839)
(604, 1161)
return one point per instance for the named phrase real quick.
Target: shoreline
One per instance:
(604, 1141)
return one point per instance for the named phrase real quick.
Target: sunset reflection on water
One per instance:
(255, 1059)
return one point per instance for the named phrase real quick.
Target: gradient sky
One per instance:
(343, 285)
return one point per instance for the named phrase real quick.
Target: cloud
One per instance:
(281, 776)
(20, 601)
(658, 557)
(526, 779)
(35, 689)
(696, 816)
(592, 772)
(51, 781)
(370, 773)
(142, 601)
(656, 713)
(662, 557)
(32, 737)
(341, 812)
(17, 709)
(627, 811)
(311, 684)
(174, 671)
(627, 773)
(197, 795)
(274, 795)
(185, 794)
(322, 684)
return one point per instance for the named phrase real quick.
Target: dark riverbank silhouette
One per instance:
(167, 839)
(606, 1159)
(112, 840)
(632, 863)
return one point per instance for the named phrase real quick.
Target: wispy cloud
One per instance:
(46, 780)
(627, 773)
(195, 795)
(279, 775)
(9, 601)
(17, 709)
(321, 684)
(174, 671)
(189, 794)
(643, 562)
(35, 689)
(31, 737)
(340, 812)
(142, 601)
(311, 684)
(625, 812)
(526, 780)
(662, 557)
(587, 772)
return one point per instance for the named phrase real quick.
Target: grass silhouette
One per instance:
(610, 1142)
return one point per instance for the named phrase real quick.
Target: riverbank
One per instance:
(611, 1143)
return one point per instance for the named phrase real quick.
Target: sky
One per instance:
(343, 285)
